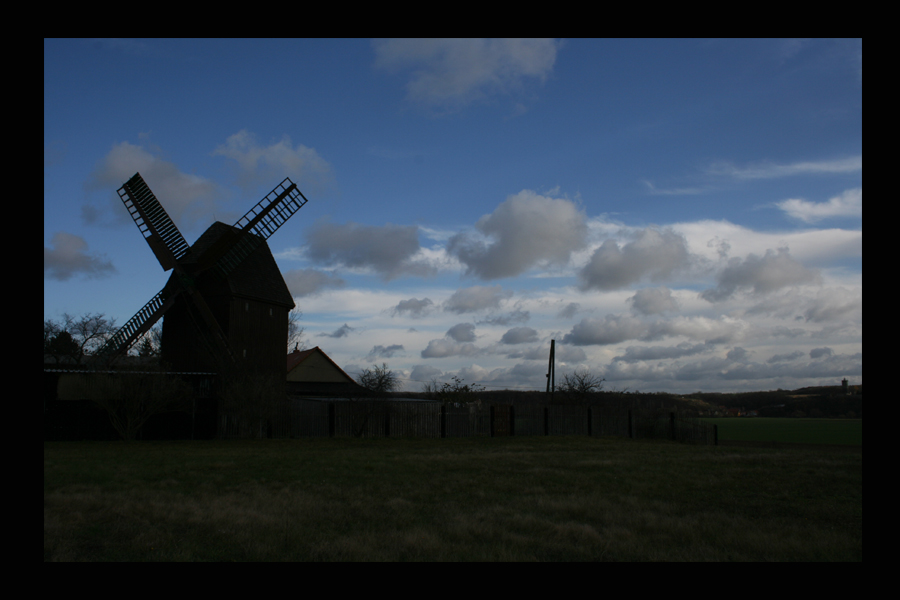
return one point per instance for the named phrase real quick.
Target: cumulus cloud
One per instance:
(476, 298)
(519, 335)
(442, 348)
(526, 231)
(820, 352)
(389, 250)
(258, 164)
(569, 310)
(833, 304)
(463, 332)
(342, 331)
(413, 307)
(68, 256)
(762, 275)
(785, 357)
(848, 204)
(384, 351)
(612, 329)
(654, 253)
(653, 353)
(449, 74)
(425, 373)
(308, 282)
(516, 316)
(185, 197)
(653, 301)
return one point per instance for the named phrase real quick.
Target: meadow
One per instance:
(846, 432)
(557, 498)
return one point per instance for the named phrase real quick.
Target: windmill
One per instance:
(225, 303)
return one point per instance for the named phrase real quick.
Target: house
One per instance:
(312, 374)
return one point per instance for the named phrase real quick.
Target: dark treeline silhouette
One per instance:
(825, 401)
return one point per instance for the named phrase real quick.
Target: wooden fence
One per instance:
(376, 418)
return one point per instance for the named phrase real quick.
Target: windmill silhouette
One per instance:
(226, 303)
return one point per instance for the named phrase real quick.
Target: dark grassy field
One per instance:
(502, 499)
(847, 432)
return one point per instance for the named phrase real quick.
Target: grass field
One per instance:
(503, 499)
(847, 432)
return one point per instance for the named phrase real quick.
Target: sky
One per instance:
(678, 215)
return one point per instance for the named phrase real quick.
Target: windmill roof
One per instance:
(257, 277)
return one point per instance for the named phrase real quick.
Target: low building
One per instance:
(312, 374)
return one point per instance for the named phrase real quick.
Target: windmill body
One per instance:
(250, 305)
(226, 304)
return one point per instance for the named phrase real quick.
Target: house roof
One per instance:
(318, 381)
(297, 357)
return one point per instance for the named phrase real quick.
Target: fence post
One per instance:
(715, 435)
(546, 420)
(672, 424)
(512, 420)
(630, 427)
(443, 420)
(590, 418)
(331, 419)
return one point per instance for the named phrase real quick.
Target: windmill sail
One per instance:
(136, 326)
(261, 222)
(154, 223)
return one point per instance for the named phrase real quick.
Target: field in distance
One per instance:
(554, 498)
(845, 432)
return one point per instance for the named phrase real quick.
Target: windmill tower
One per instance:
(226, 303)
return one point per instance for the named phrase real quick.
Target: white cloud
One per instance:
(654, 253)
(770, 170)
(527, 230)
(68, 256)
(413, 307)
(185, 197)
(848, 204)
(762, 275)
(306, 282)
(652, 301)
(391, 250)
(519, 335)
(449, 74)
(443, 348)
(476, 298)
(257, 164)
(462, 332)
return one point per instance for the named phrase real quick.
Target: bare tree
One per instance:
(579, 385)
(295, 339)
(131, 398)
(75, 338)
(458, 392)
(150, 344)
(378, 380)
(372, 408)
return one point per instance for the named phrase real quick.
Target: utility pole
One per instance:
(551, 370)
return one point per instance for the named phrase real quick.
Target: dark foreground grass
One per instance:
(540, 498)
(846, 432)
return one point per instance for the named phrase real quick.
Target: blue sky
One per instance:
(678, 215)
